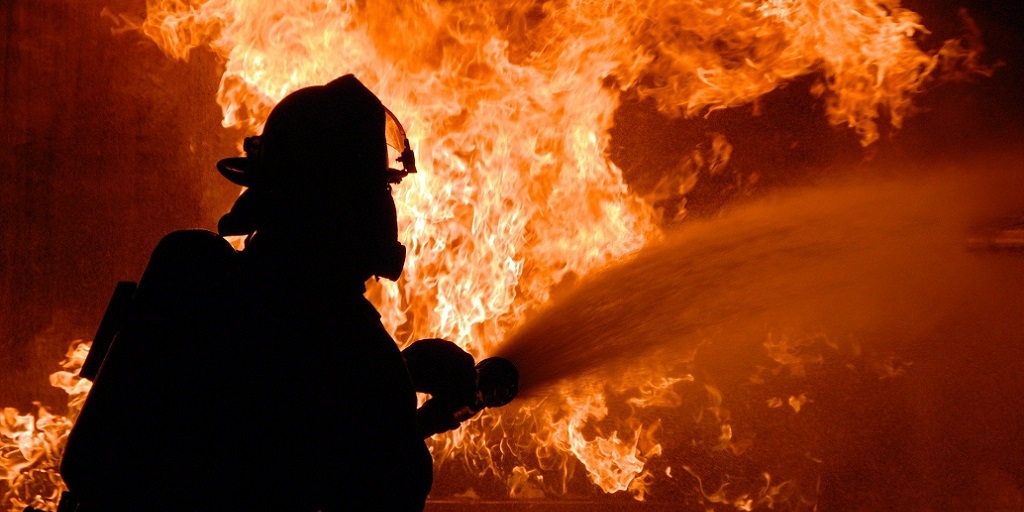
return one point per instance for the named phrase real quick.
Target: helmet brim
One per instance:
(238, 170)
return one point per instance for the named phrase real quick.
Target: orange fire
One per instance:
(509, 107)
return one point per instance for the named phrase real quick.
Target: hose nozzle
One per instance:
(497, 381)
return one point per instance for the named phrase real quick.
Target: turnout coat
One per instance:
(237, 381)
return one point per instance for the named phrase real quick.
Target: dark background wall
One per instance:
(106, 145)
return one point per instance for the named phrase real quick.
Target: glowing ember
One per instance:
(509, 109)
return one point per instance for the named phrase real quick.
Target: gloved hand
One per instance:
(459, 389)
(442, 369)
(447, 373)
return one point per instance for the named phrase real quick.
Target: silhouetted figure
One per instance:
(263, 379)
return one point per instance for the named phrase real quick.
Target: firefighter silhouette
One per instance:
(263, 379)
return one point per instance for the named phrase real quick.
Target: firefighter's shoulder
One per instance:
(195, 242)
(189, 254)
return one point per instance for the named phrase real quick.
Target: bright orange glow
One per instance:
(508, 107)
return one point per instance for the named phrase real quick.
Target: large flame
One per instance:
(509, 107)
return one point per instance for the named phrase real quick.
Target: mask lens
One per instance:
(401, 160)
(394, 134)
